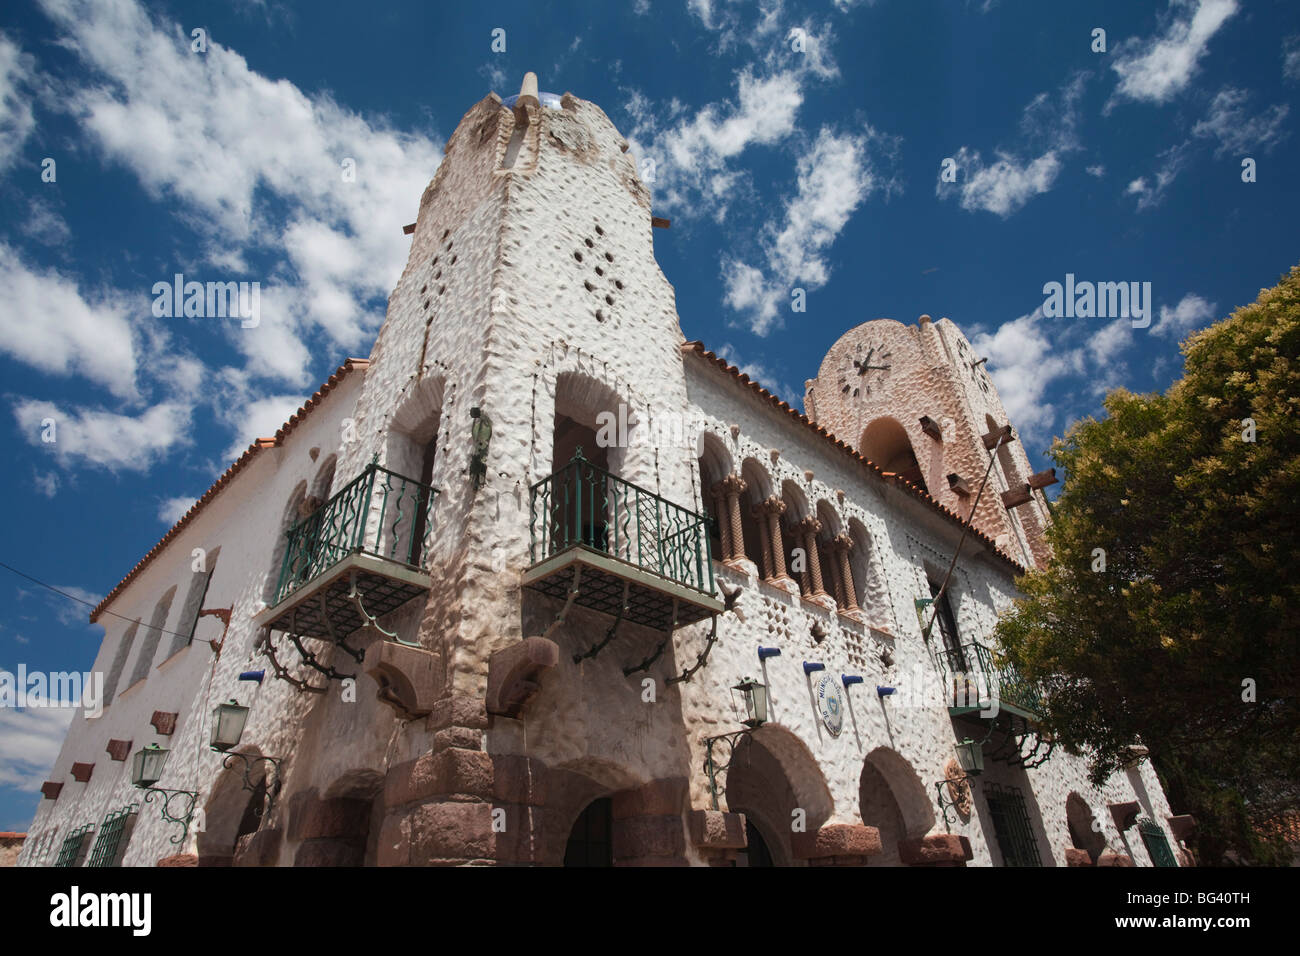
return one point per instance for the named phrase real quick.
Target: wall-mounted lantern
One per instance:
(146, 770)
(147, 767)
(228, 722)
(480, 431)
(970, 754)
(754, 696)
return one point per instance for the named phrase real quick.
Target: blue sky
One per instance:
(781, 168)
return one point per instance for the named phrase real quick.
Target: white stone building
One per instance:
(535, 663)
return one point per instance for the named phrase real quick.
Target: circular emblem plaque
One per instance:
(830, 701)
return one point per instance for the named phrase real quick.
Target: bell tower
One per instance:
(919, 402)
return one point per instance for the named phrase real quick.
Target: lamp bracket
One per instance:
(273, 772)
(713, 768)
(187, 798)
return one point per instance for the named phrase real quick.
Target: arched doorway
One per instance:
(1085, 833)
(756, 851)
(591, 841)
(892, 798)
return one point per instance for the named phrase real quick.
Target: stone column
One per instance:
(842, 545)
(722, 514)
(808, 529)
(775, 507)
(764, 540)
(734, 486)
(647, 827)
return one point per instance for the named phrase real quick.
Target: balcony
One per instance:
(359, 553)
(971, 674)
(632, 548)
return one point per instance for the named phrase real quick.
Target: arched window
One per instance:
(200, 581)
(152, 636)
(119, 662)
(715, 469)
(885, 443)
(754, 526)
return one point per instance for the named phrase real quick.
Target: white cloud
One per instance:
(1192, 312)
(1110, 340)
(834, 176)
(207, 133)
(29, 743)
(1156, 69)
(47, 483)
(1097, 171)
(16, 118)
(260, 418)
(1022, 364)
(1291, 57)
(1004, 186)
(47, 323)
(171, 510)
(692, 156)
(43, 223)
(1236, 130)
(90, 436)
(1150, 193)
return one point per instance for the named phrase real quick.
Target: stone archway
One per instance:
(892, 798)
(1086, 835)
(233, 833)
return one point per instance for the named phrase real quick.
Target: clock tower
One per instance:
(918, 401)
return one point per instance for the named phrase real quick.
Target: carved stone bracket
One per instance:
(406, 676)
(515, 672)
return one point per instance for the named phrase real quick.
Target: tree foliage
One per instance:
(1173, 587)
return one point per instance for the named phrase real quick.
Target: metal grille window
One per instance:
(1157, 846)
(1011, 825)
(73, 845)
(110, 837)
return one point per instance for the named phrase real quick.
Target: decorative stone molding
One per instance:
(81, 771)
(1004, 433)
(931, 428)
(1015, 497)
(406, 676)
(164, 722)
(1115, 859)
(119, 749)
(180, 859)
(50, 790)
(1043, 479)
(837, 844)
(514, 673)
(1077, 857)
(937, 849)
(1124, 814)
(959, 485)
(1182, 826)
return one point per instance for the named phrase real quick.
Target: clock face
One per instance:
(867, 370)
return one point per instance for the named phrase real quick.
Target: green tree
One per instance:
(1171, 598)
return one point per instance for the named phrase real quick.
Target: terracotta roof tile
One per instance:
(351, 365)
(888, 477)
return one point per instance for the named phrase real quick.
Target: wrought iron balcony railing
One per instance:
(973, 674)
(584, 506)
(380, 513)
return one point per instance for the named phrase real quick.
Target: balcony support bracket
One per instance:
(658, 651)
(609, 635)
(703, 659)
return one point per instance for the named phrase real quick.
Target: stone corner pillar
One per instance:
(837, 844)
(647, 827)
(717, 835)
